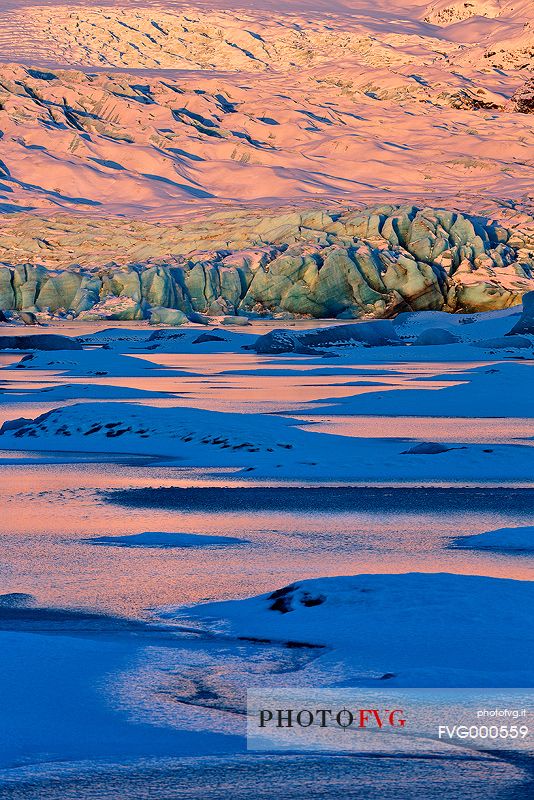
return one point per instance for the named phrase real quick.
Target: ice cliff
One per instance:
(372, 263)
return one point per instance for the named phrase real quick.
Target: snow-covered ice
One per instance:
(518, 540)
(416, 629)
(198, 474)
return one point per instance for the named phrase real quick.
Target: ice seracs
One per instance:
(377, 262)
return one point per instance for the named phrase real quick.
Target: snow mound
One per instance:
(440, 627)
(433, 336)
(427, 448)
(160, 539)
(16, 600)
(96, 362)
(376, 333)
(512, 539)
(176, 432)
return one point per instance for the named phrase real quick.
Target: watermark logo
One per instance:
(343, 718)
(411, 721)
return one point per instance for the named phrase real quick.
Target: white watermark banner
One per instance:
(411, 721)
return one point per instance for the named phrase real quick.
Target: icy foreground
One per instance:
(409, 630)
(488, 363)
(233, 498)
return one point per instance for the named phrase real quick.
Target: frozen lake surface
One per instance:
(194, 528)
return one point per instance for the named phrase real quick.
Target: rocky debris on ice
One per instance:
(447, 12)
(312, 264)
(28, 318)
(505, 539)
(522, 99)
